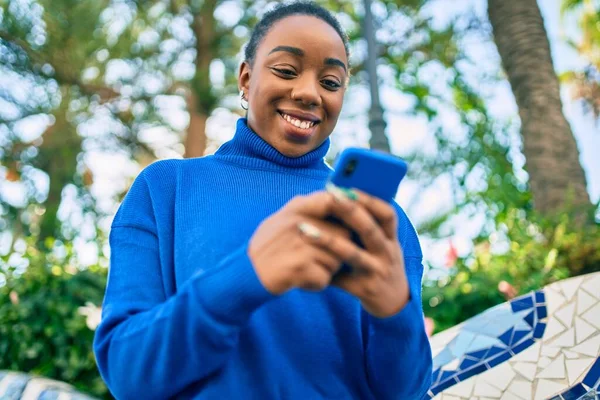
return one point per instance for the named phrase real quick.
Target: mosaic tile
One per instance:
(540, 345)
(510, 396)
(592, 285)
(565, 314)
(554, 299)
(499, 377)
(522, 389)
(528, 370)
(553, 328)
(569, 286)
(530, 354)
(550, 351)
(546, 388)
(556, 369)
(543, 362)
(576, 368)
(590, 347)
(583, 330)
(584, 301)
(570, 354)
(592, 379)
(485, 389)
(566, 339)
(593, 315)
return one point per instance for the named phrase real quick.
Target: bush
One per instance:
(48, 310)
(539, 251)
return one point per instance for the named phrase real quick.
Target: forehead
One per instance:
(311, 34)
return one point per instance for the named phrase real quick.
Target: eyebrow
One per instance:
(299, 52)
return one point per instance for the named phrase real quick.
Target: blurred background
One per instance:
(494, 104)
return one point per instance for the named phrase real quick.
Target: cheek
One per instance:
(334, 105)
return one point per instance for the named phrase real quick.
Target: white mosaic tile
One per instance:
(569, 286)
(584, 301)
(543, 362)
(550, 351)
(554, 299)
(565, 314)
(575, 368)
(509, 396)
(448, 397)
(556, 369)
(593, 315)
(546, 389)
(583, 330)
(553, 328)
(590, 347)
(499, 376)
(530, 354)
(452, 365)
(570, 355)
(485, 389)
(566, 339)
(528, 370)
(521, 389)
(462, 389)
(592, 285)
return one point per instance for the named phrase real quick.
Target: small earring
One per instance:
(243, 100)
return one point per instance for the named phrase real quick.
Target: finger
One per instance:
(383, 212)
(360, 220)
(328, 260)
(341, 248)
(317, 205)
(317, 278)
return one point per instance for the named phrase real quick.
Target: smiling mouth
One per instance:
(298, 123)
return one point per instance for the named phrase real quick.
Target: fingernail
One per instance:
(309, 230)
(341, 194)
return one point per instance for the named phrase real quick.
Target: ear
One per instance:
(244, 77)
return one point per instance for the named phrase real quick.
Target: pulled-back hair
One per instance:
(284, 10)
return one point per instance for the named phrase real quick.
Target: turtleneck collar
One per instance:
(248, 148)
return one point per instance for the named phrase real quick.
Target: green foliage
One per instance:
(536, 252)
(43, 328)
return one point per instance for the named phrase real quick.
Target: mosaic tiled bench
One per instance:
(20, 386)
(543, 345)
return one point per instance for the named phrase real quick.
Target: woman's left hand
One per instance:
(378, 277)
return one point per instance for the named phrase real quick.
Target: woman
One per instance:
(223, 279)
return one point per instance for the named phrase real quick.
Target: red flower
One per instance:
(451, 255)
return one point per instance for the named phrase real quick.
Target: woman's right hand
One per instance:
(283, 254)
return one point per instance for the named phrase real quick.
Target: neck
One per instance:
(249, 148)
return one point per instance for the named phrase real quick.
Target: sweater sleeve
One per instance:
(152, 346)
(399, 362)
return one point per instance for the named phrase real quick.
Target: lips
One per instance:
(297, 128)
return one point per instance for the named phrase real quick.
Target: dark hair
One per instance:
(284, 10)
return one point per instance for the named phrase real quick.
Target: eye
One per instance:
(331, 84)
(285, 72)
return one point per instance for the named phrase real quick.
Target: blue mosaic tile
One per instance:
(500, 358)
(494, 350)
(541, 312)
(539, 329)
(574, 393)
(540, 297)
(446, 375)
(505, 337)
(479, 354)
(521, 303)
(517, 336)
(467, 362)
(530, 318)
(592, 379)
(522, 346)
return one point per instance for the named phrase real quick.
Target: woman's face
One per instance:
(296, 87)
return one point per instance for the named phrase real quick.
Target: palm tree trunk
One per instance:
(555, 173)
(201, 100)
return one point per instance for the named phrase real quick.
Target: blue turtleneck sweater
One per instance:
(186, 317)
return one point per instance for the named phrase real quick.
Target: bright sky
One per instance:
(406, 134)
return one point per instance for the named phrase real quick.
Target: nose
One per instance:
(306, 91)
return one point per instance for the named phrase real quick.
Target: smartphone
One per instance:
(373, 172)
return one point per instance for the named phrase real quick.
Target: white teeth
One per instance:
(297, 123)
